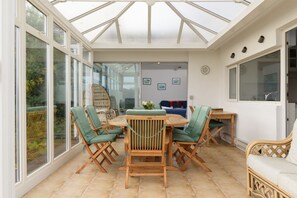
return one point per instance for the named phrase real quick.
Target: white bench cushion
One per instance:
(288, 182)
(270, 167)
(292, 156)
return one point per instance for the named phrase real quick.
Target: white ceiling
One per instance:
(152, 23)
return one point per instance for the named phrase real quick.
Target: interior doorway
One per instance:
(291, 109)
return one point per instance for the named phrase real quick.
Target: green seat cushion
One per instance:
(116, 130)
(179, 131)
(146, 112)
(103, 138)
(182, 138)
(215, 123)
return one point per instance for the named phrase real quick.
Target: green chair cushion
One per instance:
(201, 113)
(195, 127)
(115, 130)
(146, 112)
(103, 138)
(179, 131)
(83, 123)
(182, 138)
(93, 116)
(215, 123)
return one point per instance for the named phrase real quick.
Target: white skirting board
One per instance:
(238, 143)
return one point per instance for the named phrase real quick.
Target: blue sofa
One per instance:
(175, 107)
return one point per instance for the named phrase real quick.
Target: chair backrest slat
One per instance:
(83, 124)
(146, 132)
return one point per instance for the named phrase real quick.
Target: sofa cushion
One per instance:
(292, 156)
(270, 167)
(288, 183)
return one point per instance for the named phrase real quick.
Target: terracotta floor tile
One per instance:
(227, 179)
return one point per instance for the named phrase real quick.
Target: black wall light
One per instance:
(261, 39)
(244, 49)
(232, 55)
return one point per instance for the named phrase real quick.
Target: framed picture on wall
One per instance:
(161, 86)
(176, 81)
(146, 81)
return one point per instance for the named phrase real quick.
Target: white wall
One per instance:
(205, 89)
(172, 92)
(260, 120)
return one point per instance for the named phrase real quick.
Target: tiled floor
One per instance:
(227, 179)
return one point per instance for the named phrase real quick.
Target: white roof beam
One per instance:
(236, 1)
(187, 22)
(180, 31)
(57, 1)
(98, 26)
(116, 18)
(118, 31)
(203, 27)
(90, 11)
(149, 24)
(209, 12)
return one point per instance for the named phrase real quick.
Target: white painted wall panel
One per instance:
(172, 92)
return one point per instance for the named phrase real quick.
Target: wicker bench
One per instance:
(269, 174)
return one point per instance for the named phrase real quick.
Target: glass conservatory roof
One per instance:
(148, 23)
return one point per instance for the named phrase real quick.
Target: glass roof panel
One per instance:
(206, 17)
(99, 16)
(72, 9)
(229, 10)
(91, 35)
(134, 23)
(109, 36)
(189, 36)
(199, 16)
(164, 30)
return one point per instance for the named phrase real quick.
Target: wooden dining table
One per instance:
(173, 120)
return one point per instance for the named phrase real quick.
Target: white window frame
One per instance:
(236, 83)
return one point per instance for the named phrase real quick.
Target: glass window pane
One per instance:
(59, 102)
(86, 54)
(86, 85)
(232, 83)
(260, 78)
(97, 73)
(74, 96)
(35, 17)
(121, 81)
(36, 98)
(74, 46)
(59, 34)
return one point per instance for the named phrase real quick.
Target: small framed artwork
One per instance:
(161, 86)
(146, 81)
(176, 81)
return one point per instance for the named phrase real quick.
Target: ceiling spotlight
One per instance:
(261, 39)
(244, 49)
(232, 55)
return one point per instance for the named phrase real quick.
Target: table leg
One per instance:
(169, 155)
(232, 130)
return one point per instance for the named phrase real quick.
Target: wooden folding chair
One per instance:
(89, 138)
(146, 138)
(102, 129)
(215, 127)
(188, 140)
